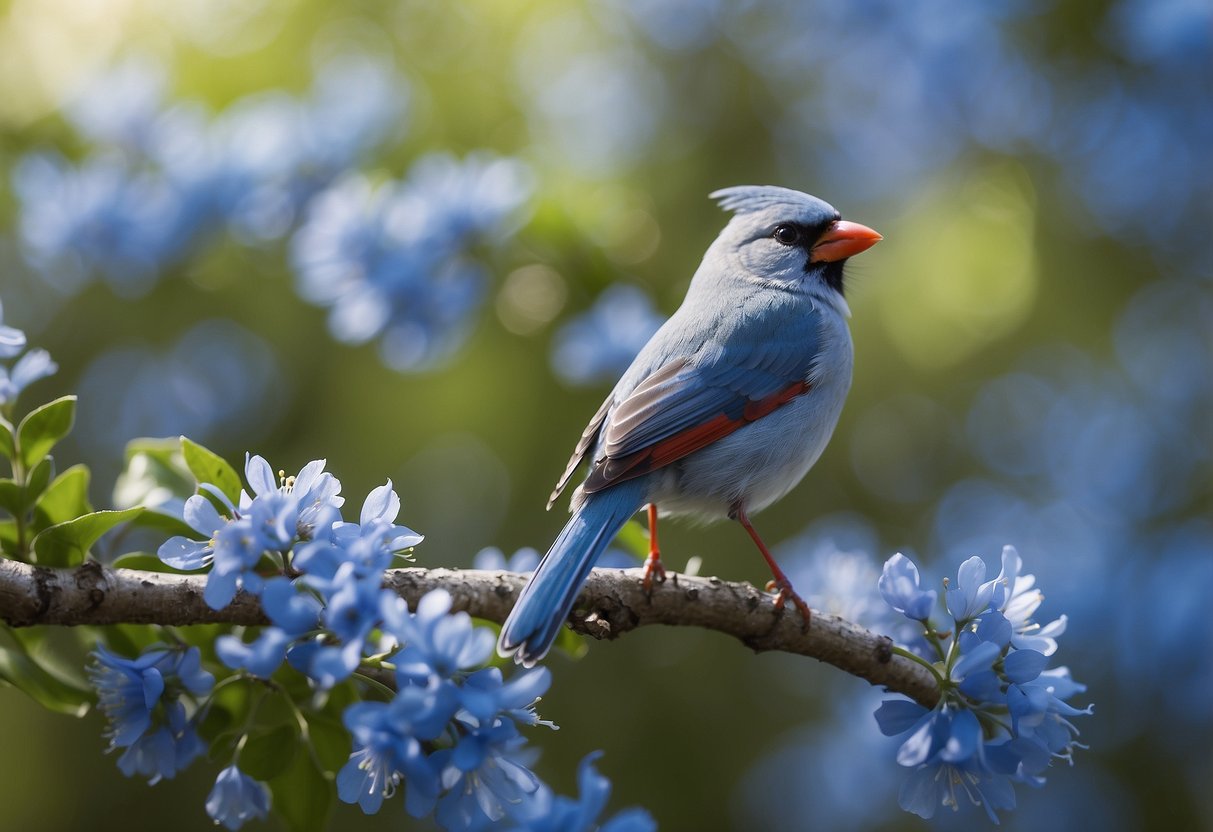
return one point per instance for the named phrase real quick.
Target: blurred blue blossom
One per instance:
(601, 111)
(33, 366)
(162, 178)
(599, 344)
(119, 106)
(882, 86)
(492, 558)
(102, 217)
(12, 340)
(237, 799)
(394, 261)
(216, 379)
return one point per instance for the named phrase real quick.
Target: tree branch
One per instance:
(611, 603)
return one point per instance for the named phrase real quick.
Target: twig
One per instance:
(612, 602)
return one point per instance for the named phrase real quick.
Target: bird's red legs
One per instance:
(781, 582)
(653, 570)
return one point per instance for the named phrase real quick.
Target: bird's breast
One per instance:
(762, 461)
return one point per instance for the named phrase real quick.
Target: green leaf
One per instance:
(16, 497)
(43, 427)
(67, 544)
(65, 499)
(35, 482)
(268, 753)
(8, 538)
(12, 497)
(207, 466)
(23, 673)
(155, 472)
(166, 451)
(160, 521)
(142, 560)
(303, 797)
(330, 740)
(6, 438)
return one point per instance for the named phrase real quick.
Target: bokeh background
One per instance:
(420, 239)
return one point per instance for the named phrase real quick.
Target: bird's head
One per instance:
(787, 237)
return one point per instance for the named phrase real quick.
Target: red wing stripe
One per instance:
(610, 471)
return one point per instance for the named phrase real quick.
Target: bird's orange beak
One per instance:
(843, 239)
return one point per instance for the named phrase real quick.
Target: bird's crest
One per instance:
(746, 199)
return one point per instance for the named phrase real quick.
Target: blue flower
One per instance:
(369, 545)
(12, 340)
(484, 694)
(237, 551)
(899, 585)
(102, 217)
(273, 519)
(356, 103)
(33, 366)
(600, 343)
(183, 553)
(217, 379)
(1017, 597)
(971, 594)
(436, 643)
(487, 773)
(546, 812)
(261, 657)
(141, 698)
(351, 612)
(291, 508)
(939, 783)
(164, 752)
(129, 690)
(237, 798)
(392, 261)
(390, 745)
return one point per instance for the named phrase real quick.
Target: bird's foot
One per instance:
(653, 571)
(785, 594)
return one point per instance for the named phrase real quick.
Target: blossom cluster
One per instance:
(448, 730)
(34, 365)
(145, 701)
(161, 176)
(1002, 716)
(393, 261)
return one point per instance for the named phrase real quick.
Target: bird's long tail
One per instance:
(548, 597)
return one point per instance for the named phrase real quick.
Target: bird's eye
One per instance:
(788, 235)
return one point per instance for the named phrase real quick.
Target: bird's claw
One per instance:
(785, 594)
(653, 571)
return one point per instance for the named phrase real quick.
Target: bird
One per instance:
(722, 412)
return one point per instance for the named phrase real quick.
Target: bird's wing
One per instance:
(589, 437)
(692, 401)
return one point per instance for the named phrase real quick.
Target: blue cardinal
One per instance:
(723, 411)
